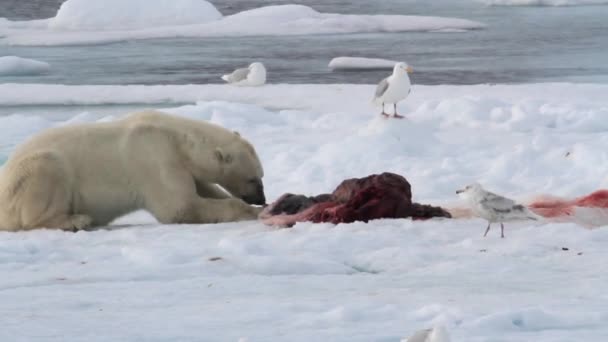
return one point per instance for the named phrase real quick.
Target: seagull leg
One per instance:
(502, 230)
(487, 229)
(395, 115)
(383, 111)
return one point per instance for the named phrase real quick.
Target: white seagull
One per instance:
(494, 208)
(394, 88)
(254, 75)
(437, 334)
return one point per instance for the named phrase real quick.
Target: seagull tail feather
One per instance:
(533, 216)
(226, 78)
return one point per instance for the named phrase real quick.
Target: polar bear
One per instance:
(80, 176)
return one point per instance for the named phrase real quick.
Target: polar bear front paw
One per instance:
(244, 211)
(256, 211)
(81, 222)
(77, 222)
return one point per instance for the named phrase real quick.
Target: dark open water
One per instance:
(521, 44)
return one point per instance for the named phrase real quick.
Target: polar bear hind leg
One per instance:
(41, 190)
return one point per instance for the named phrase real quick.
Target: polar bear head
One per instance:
(241, 171)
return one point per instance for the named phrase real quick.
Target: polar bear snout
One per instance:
(256, 200)
(257, 197)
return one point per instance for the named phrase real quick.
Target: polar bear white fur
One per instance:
(80, 176)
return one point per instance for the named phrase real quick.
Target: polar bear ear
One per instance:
(223, 157)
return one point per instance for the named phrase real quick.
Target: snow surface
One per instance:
(354, 63)
(361, 282)
(269, 20)
(358, 282)
(17, 66)
(544, 2)
(112, 15)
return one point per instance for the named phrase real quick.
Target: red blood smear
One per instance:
(555, 208)
(598, 199)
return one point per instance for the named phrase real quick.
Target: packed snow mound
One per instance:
(544, 2)
(112, 15)
(279, 14)
(17, 66)
(128, 22)
(355, 63)
(300, 19)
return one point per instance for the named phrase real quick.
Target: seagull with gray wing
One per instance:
(254, 75)
(394, 88)
(494, 208)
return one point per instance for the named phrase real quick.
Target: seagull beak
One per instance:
(459, 192)
(409, 69)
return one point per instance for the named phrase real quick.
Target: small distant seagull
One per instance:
(494, 208)
(254, 75)
(437, 334)
(394, 88)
